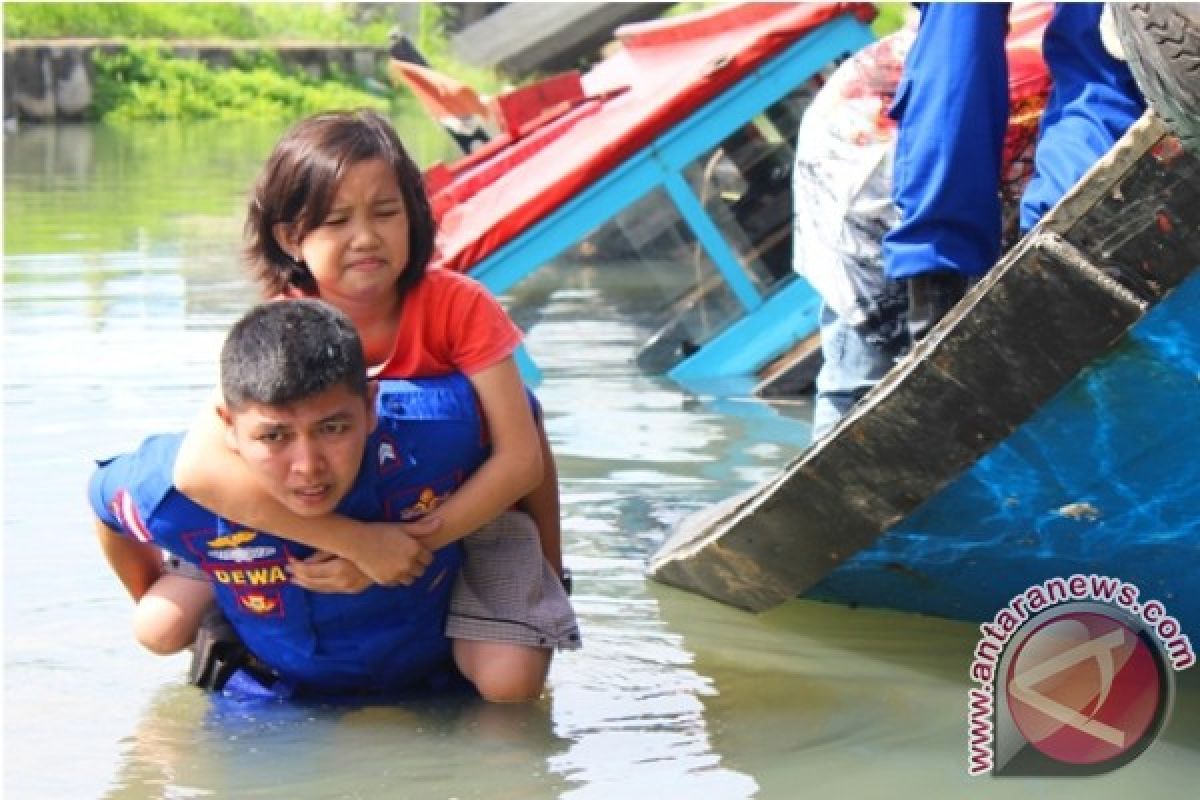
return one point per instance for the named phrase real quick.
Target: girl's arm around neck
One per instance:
(514, 468)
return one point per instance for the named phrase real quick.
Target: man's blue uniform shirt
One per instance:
(381, 640)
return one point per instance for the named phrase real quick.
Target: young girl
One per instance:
(340, 213)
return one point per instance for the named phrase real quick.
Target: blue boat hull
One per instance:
(1046, 428)
(1104, 479)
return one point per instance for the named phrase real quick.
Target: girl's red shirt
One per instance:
(450, 322)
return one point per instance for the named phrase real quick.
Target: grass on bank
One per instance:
(329, 22)
(142, 82)
(146, 82)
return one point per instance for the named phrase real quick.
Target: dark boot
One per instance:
(218, 652)
(930, 296)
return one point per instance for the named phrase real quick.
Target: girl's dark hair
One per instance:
(297, 188)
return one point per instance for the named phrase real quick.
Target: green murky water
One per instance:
(119, 278)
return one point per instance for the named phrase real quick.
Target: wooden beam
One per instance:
(521, 38)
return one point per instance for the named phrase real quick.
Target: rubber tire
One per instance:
(1162, 46)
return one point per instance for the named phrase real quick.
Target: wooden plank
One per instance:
(1040, 316)
(1115, 234)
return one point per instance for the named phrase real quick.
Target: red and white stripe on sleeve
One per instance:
(126, 512)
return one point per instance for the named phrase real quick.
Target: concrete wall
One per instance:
(50, 80)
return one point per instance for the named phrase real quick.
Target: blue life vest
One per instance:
(381, 641)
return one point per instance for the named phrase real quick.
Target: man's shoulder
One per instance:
(142, 480)
(153, 458)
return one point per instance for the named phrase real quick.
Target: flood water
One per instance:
(120, 277)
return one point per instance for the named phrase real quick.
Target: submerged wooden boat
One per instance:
(673, 155)
(1047, 427)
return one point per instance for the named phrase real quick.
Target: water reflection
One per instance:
(186, 745)
(631, 456)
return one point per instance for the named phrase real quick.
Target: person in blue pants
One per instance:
(952, 110)
(842, 182)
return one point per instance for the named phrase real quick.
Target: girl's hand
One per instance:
(325, 572)
(391, 553)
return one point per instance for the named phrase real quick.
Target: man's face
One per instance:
(306, 455)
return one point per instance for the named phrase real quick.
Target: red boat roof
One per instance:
(664, 70)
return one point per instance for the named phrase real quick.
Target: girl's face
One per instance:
(360, 249)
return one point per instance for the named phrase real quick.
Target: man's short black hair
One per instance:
(283, 352)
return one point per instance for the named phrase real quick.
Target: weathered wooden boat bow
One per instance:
(1118, 244)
